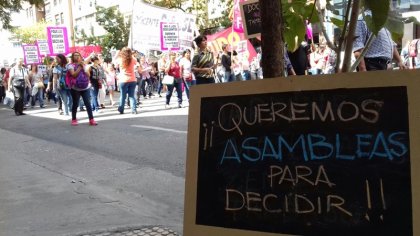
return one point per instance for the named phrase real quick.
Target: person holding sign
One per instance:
(203, 62)
(17, 83)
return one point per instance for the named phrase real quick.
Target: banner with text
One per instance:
(237, 40)
(31, 54)
(44, 49)
(146, 32)
(169, 36)
(57, 40)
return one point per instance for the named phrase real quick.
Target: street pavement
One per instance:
(122, 177)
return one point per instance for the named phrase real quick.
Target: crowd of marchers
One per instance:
(76, 84)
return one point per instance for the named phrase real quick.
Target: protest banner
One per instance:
(57, 40)
(146, 33)
(326, 155)
(44, 49)
(85, 51)
(251, 17)
(169, 38)
(31, 54)
(237, 40)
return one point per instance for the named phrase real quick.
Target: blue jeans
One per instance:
(67, 100)
(178, 85)
(246, 75)
(94, 98)
(40, 96)
(127, 87)
(228, 77)
(187, 85)
(75, 95)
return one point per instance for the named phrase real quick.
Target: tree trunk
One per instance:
(350, 36)
(272, 38)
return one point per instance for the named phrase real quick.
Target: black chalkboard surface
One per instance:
(324, 162)
(251, 17)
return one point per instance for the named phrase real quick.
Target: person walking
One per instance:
(59, 83)
(18, 81)
(127, 80)
(95, 82)
(203, 62)
(75, 68)
(2, 84)
(174, 70)
(110, 75)
(37, 92)
(380, 53)
(187, 75)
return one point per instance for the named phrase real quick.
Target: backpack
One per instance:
(412, 50)
(62, 79)
(80, 82)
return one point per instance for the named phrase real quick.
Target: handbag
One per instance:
(19, 83)
(168, 80)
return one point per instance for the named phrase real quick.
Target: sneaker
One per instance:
(134, 112)
(82, 109)
(92, 122)
(167, 106)
(60, 112)
(102, 106)
(74, 123)
(180, 105)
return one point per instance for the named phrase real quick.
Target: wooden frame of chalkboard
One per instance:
(251, 18)
(309, 155)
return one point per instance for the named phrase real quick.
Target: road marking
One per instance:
(160, 128)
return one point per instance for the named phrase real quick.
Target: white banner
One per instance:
(44, 49)
(146, 34)
(31, 55)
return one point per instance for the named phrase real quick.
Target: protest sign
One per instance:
(146, 33)
(169, 38)
(331, 155)
(235, 39)
(57, 40)
(31, 54)
(251, 17)
(44, 49)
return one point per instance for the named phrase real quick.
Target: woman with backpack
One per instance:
(59, 83)
(78, 80)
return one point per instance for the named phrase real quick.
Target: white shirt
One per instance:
(186, 65)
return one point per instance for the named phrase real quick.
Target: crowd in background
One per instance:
(133, 75)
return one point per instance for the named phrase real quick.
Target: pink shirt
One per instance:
(127, 73)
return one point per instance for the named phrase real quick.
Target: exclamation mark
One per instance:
(369, 203)
(382, 198)
(205, 136)
(211, 134)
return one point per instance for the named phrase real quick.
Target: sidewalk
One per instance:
(143, 231)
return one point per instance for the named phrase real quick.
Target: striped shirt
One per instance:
(203, 59)
(382, 44)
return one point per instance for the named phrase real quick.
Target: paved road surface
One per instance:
(128, 172)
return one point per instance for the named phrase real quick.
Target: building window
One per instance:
(55, 2)
(90, 3)
(62, 18)
(47, 9)
(57, 19)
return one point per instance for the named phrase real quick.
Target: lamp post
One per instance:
(71, 23)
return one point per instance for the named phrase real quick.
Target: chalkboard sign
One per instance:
(251, 18)
(312, 158)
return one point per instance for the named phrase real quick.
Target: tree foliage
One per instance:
(200, 9)
(29, 34)
(118, 30)
(7, 7)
